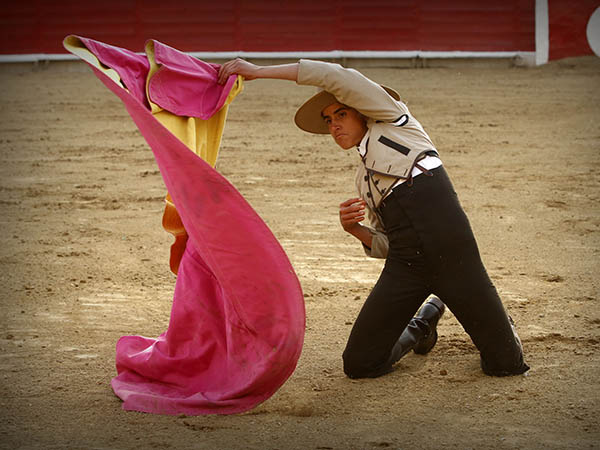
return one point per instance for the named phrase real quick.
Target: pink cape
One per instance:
(237, 322)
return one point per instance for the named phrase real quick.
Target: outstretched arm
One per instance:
(348, 85)
(251, 71)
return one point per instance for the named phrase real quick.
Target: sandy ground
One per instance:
(84, 261)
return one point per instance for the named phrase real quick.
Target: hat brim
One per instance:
(308, 117)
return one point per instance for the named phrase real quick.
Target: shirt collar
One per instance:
(362, 145)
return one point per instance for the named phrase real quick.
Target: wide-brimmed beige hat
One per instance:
(308, 117)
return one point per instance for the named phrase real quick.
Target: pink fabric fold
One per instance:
(131, 67)
(180, 86)
(237, 322)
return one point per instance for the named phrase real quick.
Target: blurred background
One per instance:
(532, 31)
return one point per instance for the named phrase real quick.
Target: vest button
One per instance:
(366, 178)
(369, 194)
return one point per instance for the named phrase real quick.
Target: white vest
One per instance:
(389, 151)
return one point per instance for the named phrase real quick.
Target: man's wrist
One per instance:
(353, 228)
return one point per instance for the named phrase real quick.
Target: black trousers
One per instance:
(432, 251)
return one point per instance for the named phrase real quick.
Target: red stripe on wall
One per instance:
(567, 22)
(39, 26)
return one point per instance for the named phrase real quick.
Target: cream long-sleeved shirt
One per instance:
(395, 141)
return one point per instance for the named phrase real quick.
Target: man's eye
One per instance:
(342, 114)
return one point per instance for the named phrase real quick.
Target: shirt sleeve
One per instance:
(379, 244)
(351, 88)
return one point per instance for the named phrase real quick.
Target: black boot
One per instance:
(407, 340)
(420, 334)
(429, 315)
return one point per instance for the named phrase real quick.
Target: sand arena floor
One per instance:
(84, 261)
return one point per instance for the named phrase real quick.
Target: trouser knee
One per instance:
(507, 360)
(359, 366)
(503, 368)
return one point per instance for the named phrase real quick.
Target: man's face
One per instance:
(346, 125)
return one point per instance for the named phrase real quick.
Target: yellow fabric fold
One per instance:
(203, 137)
